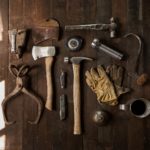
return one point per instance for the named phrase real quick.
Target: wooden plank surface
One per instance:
(124, 132)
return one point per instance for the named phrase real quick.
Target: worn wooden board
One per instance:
(124, 132)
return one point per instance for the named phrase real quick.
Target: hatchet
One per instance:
(48, 31)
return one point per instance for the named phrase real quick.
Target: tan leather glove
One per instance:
(116, 74)
(99, 82)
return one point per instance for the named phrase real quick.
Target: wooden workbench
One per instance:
(124, 132)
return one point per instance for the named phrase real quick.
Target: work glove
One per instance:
(101, 85)
(116, 74)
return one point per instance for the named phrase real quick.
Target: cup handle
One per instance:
(124, 107)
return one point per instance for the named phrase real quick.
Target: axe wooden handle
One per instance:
(76, 99)
(48, 65)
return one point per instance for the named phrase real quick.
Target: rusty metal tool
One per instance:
(46, 31)
(141, 78)
(21, 84)
(63, 107)
(112, 27)
(17, 39)
(63, 76)
(76, 91)
(111, 52)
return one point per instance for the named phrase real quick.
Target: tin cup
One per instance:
(139, 108)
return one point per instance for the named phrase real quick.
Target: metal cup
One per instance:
(139, 108)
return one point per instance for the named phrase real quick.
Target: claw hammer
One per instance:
(76, 91)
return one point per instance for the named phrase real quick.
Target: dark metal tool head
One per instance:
(76, 60)
(95, 43)
(113, 27)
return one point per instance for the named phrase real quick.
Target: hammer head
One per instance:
(77, 60)
(113, 27)
(95, 43)
(40, 51)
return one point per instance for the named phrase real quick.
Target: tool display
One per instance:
(76, 91)
(107, 86)
(111, 52)
(63, 77)
(52, 29)
(139, 107)
(75, 43)
(106, 83)
(141, 78)
(101, 117)
(21, 84)
(17, 39)
(112, 27)
(63, 107)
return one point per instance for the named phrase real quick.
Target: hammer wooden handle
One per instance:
(48, 65)
(76, 99)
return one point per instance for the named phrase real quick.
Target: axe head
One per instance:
(43, 51)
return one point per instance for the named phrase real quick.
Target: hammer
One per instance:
(112, 27)
(76, 91)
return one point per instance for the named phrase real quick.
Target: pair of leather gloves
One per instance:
(106, 84)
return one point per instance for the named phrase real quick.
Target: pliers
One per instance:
(21, 83)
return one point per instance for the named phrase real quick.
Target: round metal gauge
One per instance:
(74, 43)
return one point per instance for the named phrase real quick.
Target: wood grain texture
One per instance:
(77, 99)
(123, 131)
(49, 100)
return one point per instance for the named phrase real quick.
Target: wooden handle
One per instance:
(76, 99)
(49, 100)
